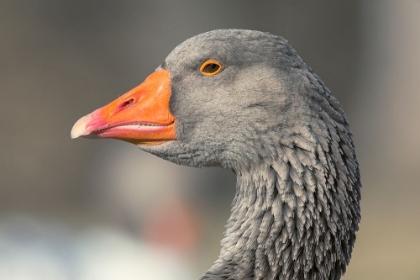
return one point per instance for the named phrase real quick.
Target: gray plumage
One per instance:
(270, 119)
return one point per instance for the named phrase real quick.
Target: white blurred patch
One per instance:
(41, 250)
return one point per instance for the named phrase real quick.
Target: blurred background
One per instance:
(106, 210)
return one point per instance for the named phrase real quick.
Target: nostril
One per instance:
(127, 103)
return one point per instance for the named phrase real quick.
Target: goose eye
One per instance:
(210, 68)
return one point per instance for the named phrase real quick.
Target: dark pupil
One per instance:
(211, 68)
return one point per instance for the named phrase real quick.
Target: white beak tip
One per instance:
(79, 129)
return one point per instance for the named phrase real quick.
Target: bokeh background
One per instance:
(106, 210)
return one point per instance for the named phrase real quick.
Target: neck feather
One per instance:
(293, 218)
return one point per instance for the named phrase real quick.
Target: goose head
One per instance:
(209, 101)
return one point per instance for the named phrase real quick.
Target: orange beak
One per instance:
(141, 116)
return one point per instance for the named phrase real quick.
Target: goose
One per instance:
(245, 101)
